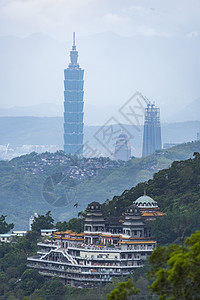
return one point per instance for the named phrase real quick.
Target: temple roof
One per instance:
(94, 206)
(94, 203)
(133, 208)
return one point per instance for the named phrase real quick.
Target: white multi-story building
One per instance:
(102, 251)
(31, 219)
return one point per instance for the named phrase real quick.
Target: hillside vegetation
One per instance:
(22, 188)
(177, 191)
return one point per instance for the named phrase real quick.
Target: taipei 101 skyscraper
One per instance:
(73, 105)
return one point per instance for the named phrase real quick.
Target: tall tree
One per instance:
(4, 226)
(75, 224)
(43, 222)
(123, 291)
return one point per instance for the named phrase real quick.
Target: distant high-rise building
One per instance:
(73, 105)
(122, 148)
(152, 130)
(198, 136)
(31, 219)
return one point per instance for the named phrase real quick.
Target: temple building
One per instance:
(109, 247)
(122, 148)
(94, 222)
(152, 130)
(133, 224)
(148, 207)
(73, 105)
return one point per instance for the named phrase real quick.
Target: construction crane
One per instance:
(148, 102)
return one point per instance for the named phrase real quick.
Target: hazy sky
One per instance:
(124, 46)
(58, 18)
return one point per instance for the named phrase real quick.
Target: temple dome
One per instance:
(145, 201)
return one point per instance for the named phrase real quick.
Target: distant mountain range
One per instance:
(93, 114)
(97, 115)
(18, 131)
(164, 69)
(39, 110)
(190, 112)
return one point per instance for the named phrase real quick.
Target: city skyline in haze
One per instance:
(125, 46)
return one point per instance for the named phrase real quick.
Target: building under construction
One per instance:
(152, 130)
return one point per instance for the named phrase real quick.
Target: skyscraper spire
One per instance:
(74, 42)
(74, 53)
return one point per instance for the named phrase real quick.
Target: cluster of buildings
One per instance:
(86, 167)
(9, 237)
(109, 247)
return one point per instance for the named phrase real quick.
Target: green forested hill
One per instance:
(21, 191)
(177, 191)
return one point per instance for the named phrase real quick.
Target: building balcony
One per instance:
(40, 244)
(116, 249)
(67, 276)
(80, 267)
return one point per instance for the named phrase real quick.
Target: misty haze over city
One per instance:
(124, 47)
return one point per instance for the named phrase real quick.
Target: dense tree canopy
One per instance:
(30, 280)
(177, 191)
(176, 270)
